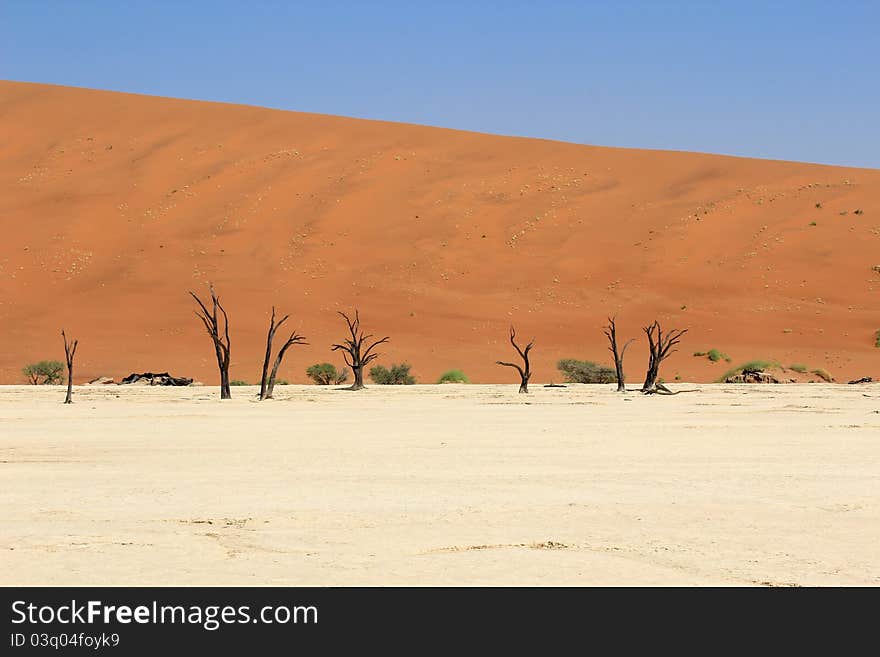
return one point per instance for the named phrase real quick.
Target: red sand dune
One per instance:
(114, 205)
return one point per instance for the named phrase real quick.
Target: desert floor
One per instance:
(442, 485)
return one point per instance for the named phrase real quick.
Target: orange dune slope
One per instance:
(114, 205)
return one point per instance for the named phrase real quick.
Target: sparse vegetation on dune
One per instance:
(238, 382)
(822, 374)
(453, 376)
(766, 365)
(715, 355)
(752, 365)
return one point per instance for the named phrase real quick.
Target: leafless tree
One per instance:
(524, 372)
(660, 346)
(267, 383)
(219, 332)
(611, 333)
(69, 353)
(356, 355)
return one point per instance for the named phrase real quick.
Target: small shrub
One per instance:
(757, 365)
(282, 382)
(823, 374)
(238, 382)
(325, 374)
(818, 206)
(398, 375)
(813, 223)
(46, 372)
(800, 369)
(715, 355)
(453, 376)
(877, 339)
(584, 371)
(858, 212)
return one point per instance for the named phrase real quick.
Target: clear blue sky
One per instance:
(795, 80)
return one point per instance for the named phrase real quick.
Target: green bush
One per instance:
(46, 372)
(584, 371)
(797, 367)
(398, 375)
(715, 355)
(325, 374)
(453, 376)
(823, 374)
(282, 382)
(877, 339)
(238, 382)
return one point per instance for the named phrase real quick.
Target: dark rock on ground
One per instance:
(751, 376)
(154, 379)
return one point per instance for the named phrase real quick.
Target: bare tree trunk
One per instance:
(355, 356)
(358, 378)
(219, 336)
(69, 353)
(269, 337)
(225, 392)
(659, 346)
(524, 372)
(611, 334)
(267, 387)
(270, 388)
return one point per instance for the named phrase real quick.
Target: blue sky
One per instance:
(785, 80)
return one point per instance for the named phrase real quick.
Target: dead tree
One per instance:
(69, 353)
(267, 383)
(611, 333)
(524, 372)
(219, 336)
(356, 356)
(660, 346)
